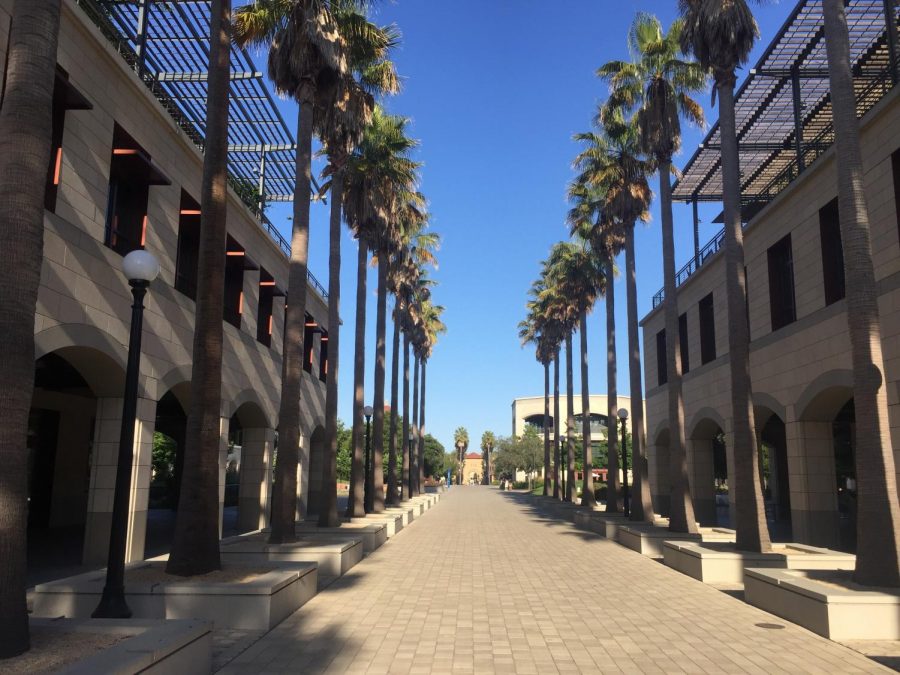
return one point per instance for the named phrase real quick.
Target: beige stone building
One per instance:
(530, 410)
(125, 173)
(800, 351)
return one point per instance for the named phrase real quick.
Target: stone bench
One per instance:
(334, 556)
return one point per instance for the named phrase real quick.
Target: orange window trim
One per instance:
(241, 303)
(144, 231)
(58, 166)
(124, 151)
(270, 324)
(190, 212)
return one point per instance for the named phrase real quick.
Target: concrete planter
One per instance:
(259, 603)
(373, 534)
(599, 522)
(402, 511)
(334, 556)
(827, 603)
(648, 540)
(176, 647)
(393, 521)
(721, 563)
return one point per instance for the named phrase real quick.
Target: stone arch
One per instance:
(764, 406)
(824, 397)
(178, 381)
(700, 425)
(250, 408)
(251, 446)
(95, 354)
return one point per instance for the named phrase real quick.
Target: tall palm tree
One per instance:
(720, 35)
(557, 493)
(488, 441)
(461, 444)
(378, 171)
(25, 125)
(658, 85)
(611, 162)
(878, 512)
(195, 546)
(431, 327)
(534, 330)
(307, 57)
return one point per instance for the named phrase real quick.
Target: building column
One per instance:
(658, 471)
(255, 478)
(224, 426)
(810, 457)
(104, 461)
(701, 474)
(303, 486)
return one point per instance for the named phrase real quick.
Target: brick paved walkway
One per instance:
(484, 583)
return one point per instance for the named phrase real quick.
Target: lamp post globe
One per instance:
(140, 268)
(622, 414)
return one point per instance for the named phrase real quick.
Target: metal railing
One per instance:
(711, 248)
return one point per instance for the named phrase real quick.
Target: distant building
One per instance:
(530, 410)
(473, 468)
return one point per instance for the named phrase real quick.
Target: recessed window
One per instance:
(268, 291)
(323, 356)
(661, 374)
(236, 261)
(131, 174)
(309, 333)
(65, 97)
(832, 252)
(188, 246)
(683, 343)
(707, 329)
(781, 284)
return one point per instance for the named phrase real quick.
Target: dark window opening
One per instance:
(832, 252)
(707, 330)
(323, 356)
(65, 97)
(683, 343)
(268, 291)
(661, 375)
(309, 333)
(895, 165)
(188, 246)
(781, 284)
(234, 282)
(131, 174)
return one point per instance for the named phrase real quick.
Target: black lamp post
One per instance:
(623, 415)
(368, 497)
(140, 268)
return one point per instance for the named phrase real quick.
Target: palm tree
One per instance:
(195, 545)
(431, 327)
(377, 172)
(878, 513)
(557, 494)
(531, 330)
(659, 85)
(720, 35)
(461, 443)
(25, 125)
(610, 162)
(307, 57)
(488, 441)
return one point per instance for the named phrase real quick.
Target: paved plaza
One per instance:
(486, 583)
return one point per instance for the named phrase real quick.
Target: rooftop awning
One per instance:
(789, 90)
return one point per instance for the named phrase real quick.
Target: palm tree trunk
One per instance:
(752, 531)
(195, 545)
(378, 398)
(392, 440)
(422, 431)
(406, 492)
(571, 493)
(284, 493)
(587, 481)
(612, 408)
(356, 506)
(557, 493)
(546, 490)
(414, 430)
(25, 126)
(328, 516)
(641, 507)
(878, 513)
(681, 511)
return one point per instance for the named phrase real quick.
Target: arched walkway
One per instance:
(708, 470)
(774, 473)
(660, 485)
(248, 469)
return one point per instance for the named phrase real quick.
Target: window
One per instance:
(781, 284)
(235, 263)
(323, 356)
(309, 333)
(661, 374)
(65, 97)
(268, 291)
(131, 174)
(188, 246)
(895, 165)
(707, 330)
(832, 252)
(683, 343)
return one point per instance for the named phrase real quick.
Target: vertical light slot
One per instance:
(58, 166)
(144, 231)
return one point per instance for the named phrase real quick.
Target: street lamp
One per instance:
(623, 415)
(413, 460)
(140, 269)
(368, 497)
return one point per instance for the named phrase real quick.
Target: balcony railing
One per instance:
(712, 247)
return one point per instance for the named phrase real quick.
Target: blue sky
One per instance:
(495, 91)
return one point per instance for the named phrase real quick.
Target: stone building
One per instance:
(125, 173)
(530, 410)
(800, 349)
